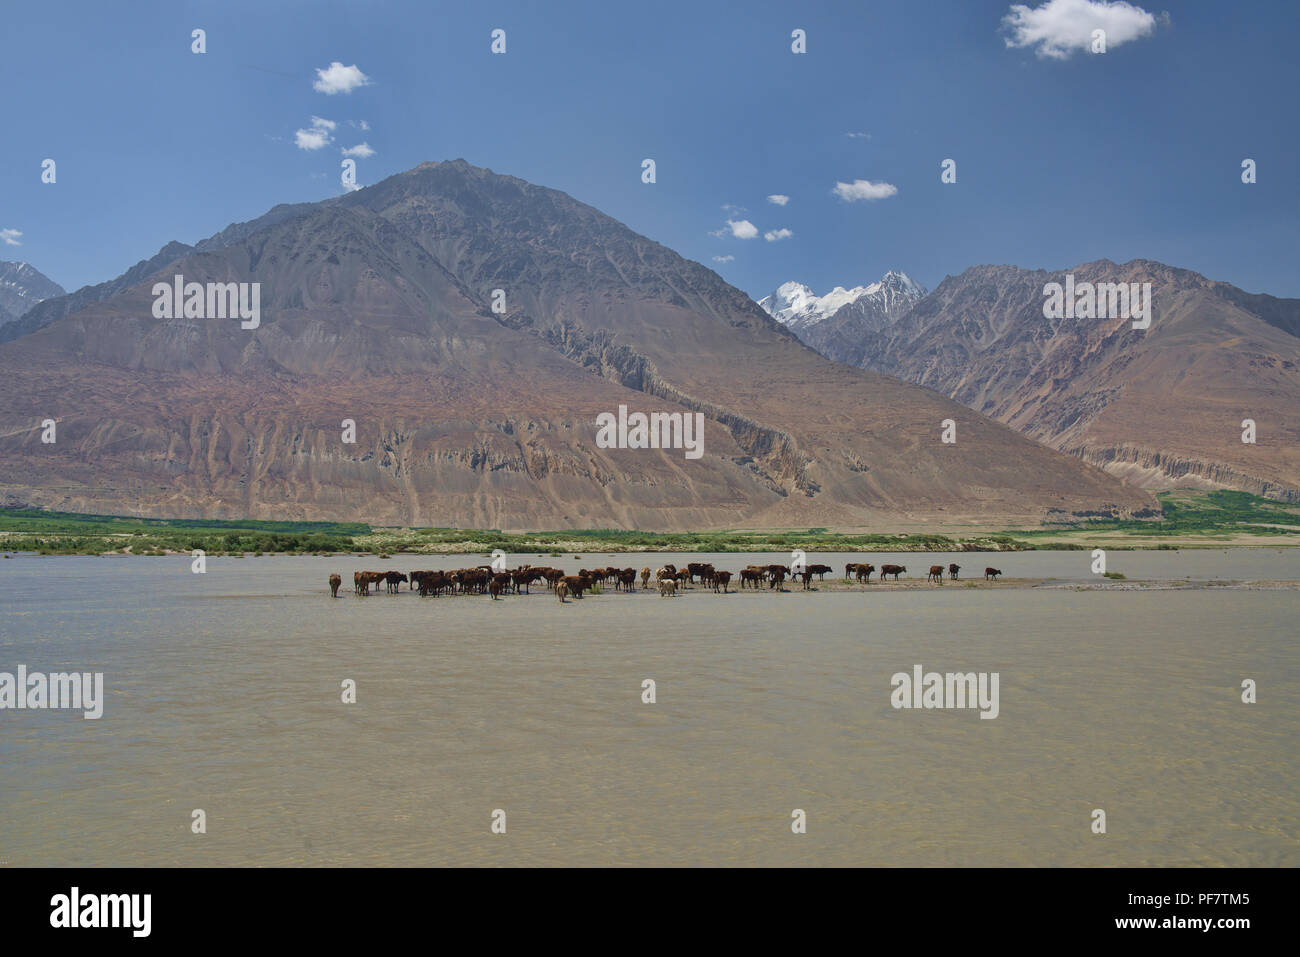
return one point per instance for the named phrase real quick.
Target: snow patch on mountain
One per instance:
(21, 287)
(796, 306)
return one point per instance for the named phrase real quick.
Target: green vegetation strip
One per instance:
(1210, 515)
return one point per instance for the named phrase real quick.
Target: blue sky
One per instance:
(1060, 159)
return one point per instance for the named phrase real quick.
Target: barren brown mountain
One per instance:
(1161, 407)
(375, 307)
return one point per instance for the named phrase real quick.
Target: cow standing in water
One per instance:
(861, 570)
(992, 573)
(935, 575)
(335, 582)
(953, 569)
(894, 570)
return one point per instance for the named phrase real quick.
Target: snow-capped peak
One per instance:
(795, 305)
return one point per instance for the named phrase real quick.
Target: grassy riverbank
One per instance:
(1191, 520)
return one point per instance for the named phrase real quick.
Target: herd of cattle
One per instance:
(668, 580)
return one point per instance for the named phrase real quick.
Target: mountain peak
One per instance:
(22, 286)
(380, 306)
(797, 307)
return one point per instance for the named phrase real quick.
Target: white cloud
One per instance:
(1060, 28)
(337, 78)
(772, 235)
(364, 125)
(859, 136)
(864, 189)
(361, 151)
(740, 228)
(778, 198)
(10, 236)
(723, 259)
(321, 134)
(311, 139)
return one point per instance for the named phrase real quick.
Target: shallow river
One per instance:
(223, 693)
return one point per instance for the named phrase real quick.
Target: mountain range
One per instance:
(837, 323)
(1164, 407)
(473, 326)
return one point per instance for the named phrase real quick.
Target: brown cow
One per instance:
(577, 584)
(721, 579)
(561, 589)
(371, 578)
(429, 582)
(894, 570)
(645, 578)
(701, 569)
(992, 573)
(864, 572)
(335, 582)
(935, 574)
(953, 569)
(751, 575)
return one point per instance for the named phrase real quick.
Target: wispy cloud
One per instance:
(361, 151)
(772, 235)
(1060, 28)
(780, 199)
(337, 78)
(861, 189)
(321, 134)
(723, 259)
(858, 136)
(10, 236)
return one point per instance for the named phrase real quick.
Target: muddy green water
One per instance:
(223, 693)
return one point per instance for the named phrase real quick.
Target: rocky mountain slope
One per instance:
(376, 307)
(1161, 407)
(22, 286)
